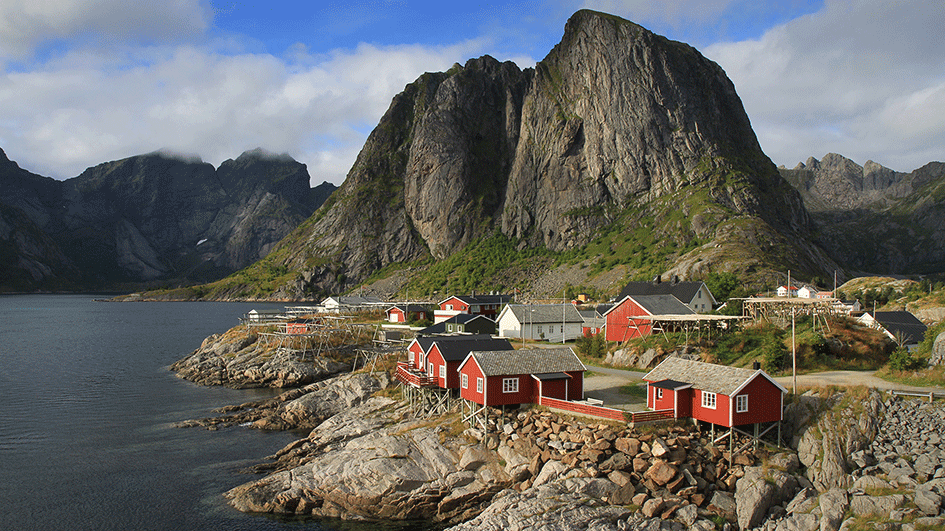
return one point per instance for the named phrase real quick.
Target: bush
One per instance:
(901, 360)
(774, 355)
(592, 346)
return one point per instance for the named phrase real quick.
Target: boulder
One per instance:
(833, 505)
(938, 350)
(660, 472)
(757, 491)
(928, 501)
(566, 504)
(550, 472)
(723, 504)
(876, 505)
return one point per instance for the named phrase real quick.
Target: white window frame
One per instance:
(449, 306)
(464, 381)
(480, 385)
(509, 385)
(659, 393)
(443, 372)
(741, 404)
(709, 400)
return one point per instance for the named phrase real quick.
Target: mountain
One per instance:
(873, 219)
(620, 145)
(147, 220)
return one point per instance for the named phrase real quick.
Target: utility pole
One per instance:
(793, 352)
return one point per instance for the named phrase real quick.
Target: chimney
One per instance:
(657, 279)
(756, 365)
(675, 279)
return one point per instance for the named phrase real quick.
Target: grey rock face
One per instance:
(159, 216)
(825, 451)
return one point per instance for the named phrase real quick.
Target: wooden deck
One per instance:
(410, 376)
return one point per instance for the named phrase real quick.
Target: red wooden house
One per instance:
(622, 319)
(721, 395)
(520, 377)
(420, 348)
(487, 305)
(444, 357)
(403, 313)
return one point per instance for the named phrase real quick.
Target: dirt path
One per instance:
(850, 378)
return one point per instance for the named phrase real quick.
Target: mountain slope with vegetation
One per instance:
(621, 150)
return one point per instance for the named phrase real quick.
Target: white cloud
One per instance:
(85, 108)
(862, 78)
(27, 24)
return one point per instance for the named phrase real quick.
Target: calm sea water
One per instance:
(87, 405)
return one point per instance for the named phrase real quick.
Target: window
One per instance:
(659, 393)
(478, 385)
(708, 400)
(465, 381)
(509, 385)
(741, 403)
(443, 372)
(449, 306)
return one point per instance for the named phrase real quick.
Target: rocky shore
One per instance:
(856, 459)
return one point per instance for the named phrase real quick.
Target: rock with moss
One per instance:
(847, 424)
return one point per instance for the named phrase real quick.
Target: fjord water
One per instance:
(87, 407)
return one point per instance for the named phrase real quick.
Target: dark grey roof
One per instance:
(482, 299)
(463, 318)
(710, 377)
(528, 361)
(670, 384)
(684, 291)
(438, 328)
(662, 305)
(457, 350)
(902, 323)
(427, 342)
(545, 313)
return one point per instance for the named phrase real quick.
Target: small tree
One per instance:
(592, 346)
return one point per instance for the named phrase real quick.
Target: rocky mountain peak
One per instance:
(615, 117)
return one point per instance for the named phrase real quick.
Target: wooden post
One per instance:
(756, 436)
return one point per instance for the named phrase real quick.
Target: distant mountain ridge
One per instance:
(873, 219)
(147, 219)
(617, 132)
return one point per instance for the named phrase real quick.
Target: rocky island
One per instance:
(853, 456)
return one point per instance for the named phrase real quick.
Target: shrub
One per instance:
(901, 360)
(592, 346)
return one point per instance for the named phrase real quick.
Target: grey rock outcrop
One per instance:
(847, 426)
(938, 350)
(758, 490)
(236, 360)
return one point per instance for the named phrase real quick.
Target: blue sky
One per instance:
(87, 81)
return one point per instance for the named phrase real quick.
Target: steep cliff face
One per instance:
(152, 217)
(619, 115)
(615, 126)
(873, 219)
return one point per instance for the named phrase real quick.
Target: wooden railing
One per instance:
(414, 377)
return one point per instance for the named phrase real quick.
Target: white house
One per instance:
(540, 321)
(807, 293)
(784, 291)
